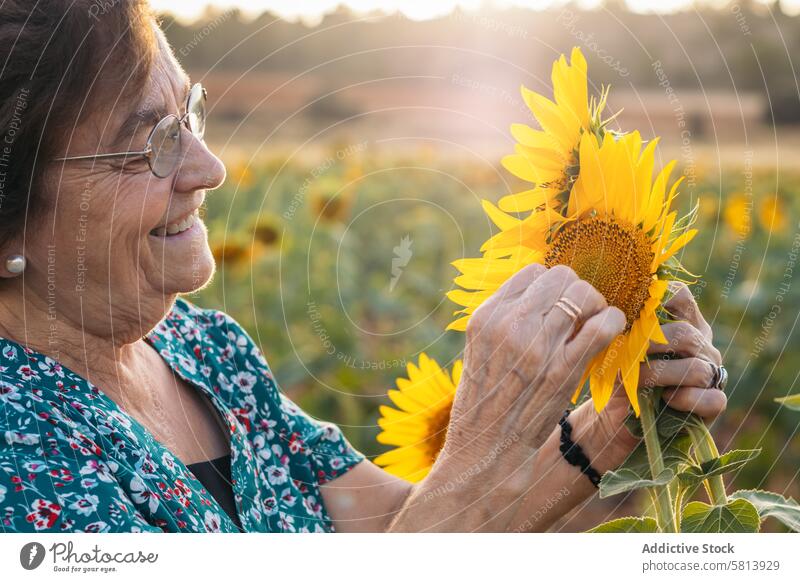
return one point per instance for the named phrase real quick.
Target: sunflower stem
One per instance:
(665, 514)
(706, 450)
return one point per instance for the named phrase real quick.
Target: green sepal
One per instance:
(791, 402)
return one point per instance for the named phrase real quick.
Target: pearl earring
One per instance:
(15, 264)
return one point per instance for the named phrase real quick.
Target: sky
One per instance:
(311, 11)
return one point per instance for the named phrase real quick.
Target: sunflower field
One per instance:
(338, 265)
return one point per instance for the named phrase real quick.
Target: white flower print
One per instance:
(260, 445)
(168, 460)
(330, 432)
(85, 504)
(277, 475)
(10, 395)
(141, 494)
(28, 373)
(287, 522)
(270, 505)
(267, 425)
(10, 353)
(244, 380)
(239, 340)
(224, 383)
(313, 506)
(16, 437)
(34, 466)
(189, 365)
(2, 493)
(99, 469)
(225, 354)
(212, 521)
(190, 332)
(97, 527)
(51, 368)
(288, 497)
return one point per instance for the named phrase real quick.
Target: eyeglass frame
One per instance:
(147, 152)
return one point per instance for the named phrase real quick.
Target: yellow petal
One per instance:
(500, 218)
(527, 200)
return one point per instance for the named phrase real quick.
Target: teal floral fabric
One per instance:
(72, 460)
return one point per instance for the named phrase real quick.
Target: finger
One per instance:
(508, 291)
(543, 292)
(695, 372)
(594, 336)
(521, 280)
(707, 404)
(685, 341)
(586, 298)
(683, 306)
(518, 282)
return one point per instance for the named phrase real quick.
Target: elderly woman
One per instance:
(127, 408)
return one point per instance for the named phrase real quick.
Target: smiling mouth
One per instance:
(177, 227)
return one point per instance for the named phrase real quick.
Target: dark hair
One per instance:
(58, 58)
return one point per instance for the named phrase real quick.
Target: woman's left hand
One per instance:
(689, 379)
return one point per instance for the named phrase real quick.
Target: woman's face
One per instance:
(110, 240)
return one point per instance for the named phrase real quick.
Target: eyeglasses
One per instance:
(163, 148)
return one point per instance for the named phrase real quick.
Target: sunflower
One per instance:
(738, 214)
(772, 214)
(267, 232)
(549, 157)
(418, 426)
(231, 251)
(616, 232)
(331, 202)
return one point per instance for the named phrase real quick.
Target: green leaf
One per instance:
(737, 516)
(769, 504)
(670, 422)
(623, 480)
(791, 402)
(674, 451)
(627, 525)
(726, 463)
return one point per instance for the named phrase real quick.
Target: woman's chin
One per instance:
(184, 265)
(188, 273)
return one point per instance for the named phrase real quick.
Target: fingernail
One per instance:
(619, 316)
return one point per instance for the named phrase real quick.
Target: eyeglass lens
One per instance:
(165, 140)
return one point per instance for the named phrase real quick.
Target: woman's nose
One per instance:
(199, 168)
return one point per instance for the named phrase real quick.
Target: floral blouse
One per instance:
(72, 460)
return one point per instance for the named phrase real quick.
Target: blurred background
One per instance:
(360, 138)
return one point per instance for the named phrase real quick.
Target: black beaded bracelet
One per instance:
(573, 453)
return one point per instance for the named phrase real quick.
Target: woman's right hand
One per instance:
(522, 362)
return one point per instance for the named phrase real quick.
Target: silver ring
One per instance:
(720, 379)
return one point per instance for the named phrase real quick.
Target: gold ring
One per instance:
(568, 306)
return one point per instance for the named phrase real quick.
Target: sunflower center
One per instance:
(614, 257)
(437, 429)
